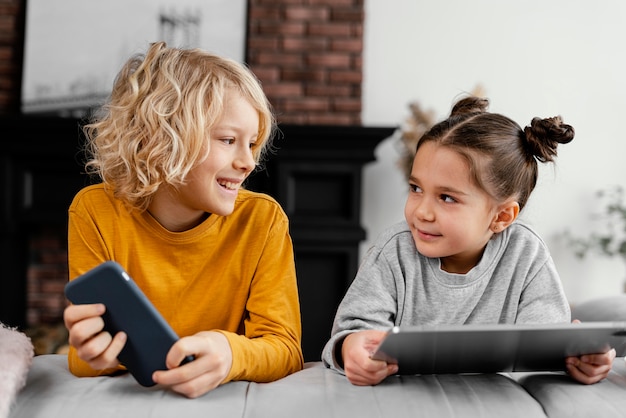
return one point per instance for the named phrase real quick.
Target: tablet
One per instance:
(127, 309)
(494, 348)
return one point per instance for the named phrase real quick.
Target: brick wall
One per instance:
(47, 275)
(307, 54)
(11, 50)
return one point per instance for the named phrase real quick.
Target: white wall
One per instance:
(532, 58)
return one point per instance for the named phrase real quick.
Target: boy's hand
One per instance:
(212, 363)
(590, 368)
(360, 368)
(93, 345)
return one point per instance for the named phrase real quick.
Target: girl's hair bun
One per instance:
(544, 135)
(470, 105)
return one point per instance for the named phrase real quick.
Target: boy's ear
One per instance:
(507, 213)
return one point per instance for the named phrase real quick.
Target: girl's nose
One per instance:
(424, 210)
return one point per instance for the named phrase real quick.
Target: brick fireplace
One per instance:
(308, 56)
(315, 175)
(46, 275)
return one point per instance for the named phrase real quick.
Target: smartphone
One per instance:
(128, 309)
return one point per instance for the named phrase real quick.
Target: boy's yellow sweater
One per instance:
(234, 274)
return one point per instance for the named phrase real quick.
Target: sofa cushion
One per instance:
(608, 308)
(326, 393)
(316, 391)
(562, 397)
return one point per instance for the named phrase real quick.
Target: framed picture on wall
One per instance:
(74, 48)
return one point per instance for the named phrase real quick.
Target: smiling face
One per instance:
(212, 186)
(449, 216)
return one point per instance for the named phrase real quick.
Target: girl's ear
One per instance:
(507, 213)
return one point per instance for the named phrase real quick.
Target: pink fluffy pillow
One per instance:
(16, 356)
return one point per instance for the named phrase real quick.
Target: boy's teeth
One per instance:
(228, 185)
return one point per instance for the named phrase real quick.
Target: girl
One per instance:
(182, 131)
(461, 257)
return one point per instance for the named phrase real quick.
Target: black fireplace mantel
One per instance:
(314, 172)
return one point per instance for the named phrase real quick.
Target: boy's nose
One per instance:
(245, 161)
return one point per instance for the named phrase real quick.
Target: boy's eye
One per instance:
(415, 188)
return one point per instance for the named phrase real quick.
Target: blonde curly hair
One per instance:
(155, 126)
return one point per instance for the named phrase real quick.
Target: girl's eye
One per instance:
(447, 198)
(415, 188)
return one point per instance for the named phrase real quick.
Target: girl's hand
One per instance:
(360, 368)
(213, 360)
(590, 368)
(93, 345)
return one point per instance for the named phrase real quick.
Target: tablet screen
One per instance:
(493, 348)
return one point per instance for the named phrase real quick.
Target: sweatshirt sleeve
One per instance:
(371, 302)
(543, 299)
(270, 348)
(85, 251)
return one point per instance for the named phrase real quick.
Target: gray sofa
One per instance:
(51, 391)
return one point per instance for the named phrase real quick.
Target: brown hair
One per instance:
(501, 155)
